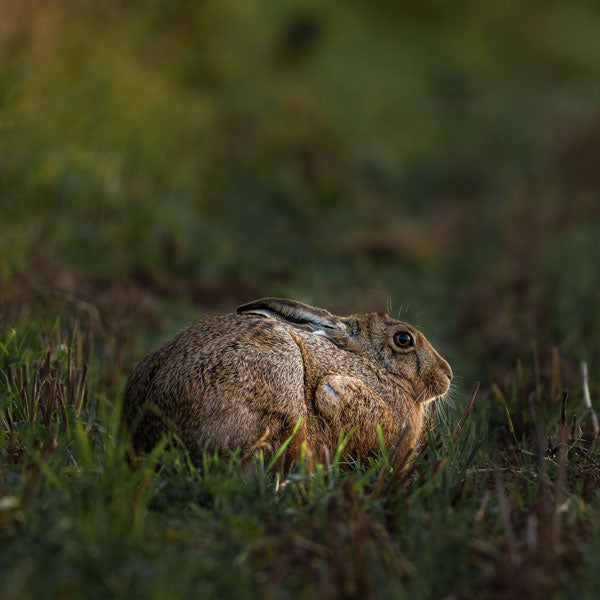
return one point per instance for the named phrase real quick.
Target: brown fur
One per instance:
(244, 380)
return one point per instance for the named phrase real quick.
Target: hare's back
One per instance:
(216, 365)
(253, 354)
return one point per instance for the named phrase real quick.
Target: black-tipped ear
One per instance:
(294, 312)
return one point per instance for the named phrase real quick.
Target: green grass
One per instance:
(479, 511)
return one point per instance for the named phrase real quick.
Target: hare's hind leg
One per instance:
(273, 437)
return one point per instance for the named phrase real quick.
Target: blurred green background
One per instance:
(161, 160)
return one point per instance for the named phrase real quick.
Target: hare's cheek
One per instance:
(421, 391)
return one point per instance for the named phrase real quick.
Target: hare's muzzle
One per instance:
(447, 370)
(443, 377)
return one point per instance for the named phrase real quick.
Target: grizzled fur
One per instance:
(245, 379)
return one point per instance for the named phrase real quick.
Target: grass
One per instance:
(492, 508)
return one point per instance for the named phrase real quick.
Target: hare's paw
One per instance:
(334, 393)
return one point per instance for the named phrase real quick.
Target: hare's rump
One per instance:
(221, 384)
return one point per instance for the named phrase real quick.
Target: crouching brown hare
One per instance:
(246, 379)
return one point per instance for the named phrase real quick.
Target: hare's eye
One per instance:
(403, 339)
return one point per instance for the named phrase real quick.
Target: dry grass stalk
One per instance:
(574, 431)
(467, 411)
(47, 392)
(398, 464)
(505, 515)
(431, 417)
(587, 398)
(540, 442)
(556, 382)
(484, 502)
(561, 480)
(531, 532)
(563, 416)
(404, 476)
(537, 372)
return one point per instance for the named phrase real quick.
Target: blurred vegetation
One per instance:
(442, 157)
(161, 160)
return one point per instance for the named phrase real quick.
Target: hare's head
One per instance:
(398, 347)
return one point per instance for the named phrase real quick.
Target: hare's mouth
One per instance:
(435, 388)
(431, 396)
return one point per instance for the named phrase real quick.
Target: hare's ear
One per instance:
(317, 320)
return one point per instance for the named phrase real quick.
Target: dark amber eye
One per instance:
(403, 340)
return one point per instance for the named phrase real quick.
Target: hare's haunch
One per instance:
(245, 379)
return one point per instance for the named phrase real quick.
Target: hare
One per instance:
(247, 379)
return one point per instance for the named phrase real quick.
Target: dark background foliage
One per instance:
(434, 157)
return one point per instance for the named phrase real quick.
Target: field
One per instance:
(163, 161)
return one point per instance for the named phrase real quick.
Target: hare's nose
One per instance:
(447, 369)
